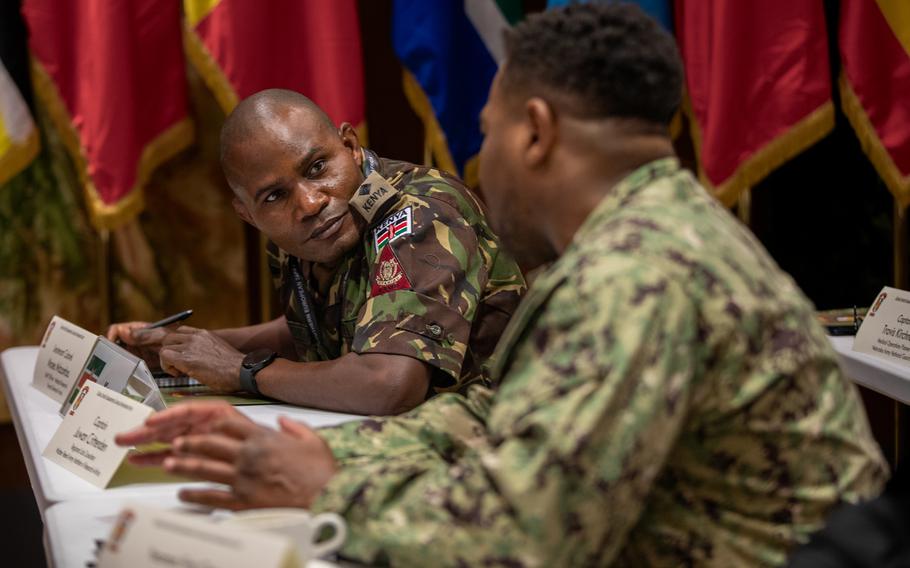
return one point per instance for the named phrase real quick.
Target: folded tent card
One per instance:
(102, 390)
(69, 356)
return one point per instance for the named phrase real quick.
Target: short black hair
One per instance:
(599, 60)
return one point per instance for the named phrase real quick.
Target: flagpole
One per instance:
(900, 246)
(744, 207)
(104, 277)
(900, 235)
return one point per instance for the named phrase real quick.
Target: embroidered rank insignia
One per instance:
(389, 276)
(394, 226)
(371, 196)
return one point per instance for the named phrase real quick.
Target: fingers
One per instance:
(144, 337)
(188, 418)
(200, 468)
(216, 447)
(138, 436)
(294, 428)
(124, 331)
(169, 359)
(238, 427)
(212, 498)
(178, 336)
(149, 459)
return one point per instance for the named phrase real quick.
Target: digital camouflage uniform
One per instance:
(429, 280)
(666, 399)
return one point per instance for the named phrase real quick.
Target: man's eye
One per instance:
(274, 196)
(317, 168)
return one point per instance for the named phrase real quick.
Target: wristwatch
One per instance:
(254, 362)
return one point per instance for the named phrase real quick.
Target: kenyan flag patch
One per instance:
(396, 225)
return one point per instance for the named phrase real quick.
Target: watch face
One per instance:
(258, 357)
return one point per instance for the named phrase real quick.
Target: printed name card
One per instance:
(885, 332)
(63, 353)
(84, 442)
(145, 536)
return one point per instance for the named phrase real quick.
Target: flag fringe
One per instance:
(796, 139)
(19, 156)
(435, 137)
(871, 143)
(211, 72)
(160, 149)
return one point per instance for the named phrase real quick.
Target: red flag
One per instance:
(310, 46)
(875, 85)
(758, 85)
(111, 74)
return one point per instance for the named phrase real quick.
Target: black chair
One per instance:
(874, 534)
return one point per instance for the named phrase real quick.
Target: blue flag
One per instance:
(450, 50)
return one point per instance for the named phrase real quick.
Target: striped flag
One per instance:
(111, 75)
(875, 85)
(241, 47)
(450, 51)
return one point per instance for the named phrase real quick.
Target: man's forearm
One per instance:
(272, 335)
(360, 384)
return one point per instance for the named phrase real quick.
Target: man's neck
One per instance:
(593, 179)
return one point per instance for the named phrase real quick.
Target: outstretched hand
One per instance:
(181, 420)
(262, 467)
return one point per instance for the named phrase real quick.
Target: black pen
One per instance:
(170, 319)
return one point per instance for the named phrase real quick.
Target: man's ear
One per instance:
(351, 141)
(242, 211)
(542, 131)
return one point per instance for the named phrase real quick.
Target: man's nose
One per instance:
(309, 202)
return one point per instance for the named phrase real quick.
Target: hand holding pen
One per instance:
(135, 334)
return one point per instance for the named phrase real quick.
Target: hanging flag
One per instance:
(19, 141)
(241, 47)
(758, 86)
(875, 85)
(450, 52)
(111, 74)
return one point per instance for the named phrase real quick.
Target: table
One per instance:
(880, 375)
(74, 511)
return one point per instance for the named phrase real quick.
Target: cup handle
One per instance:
(334, 542)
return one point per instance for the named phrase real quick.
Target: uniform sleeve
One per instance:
(559, 472)
(424, 290)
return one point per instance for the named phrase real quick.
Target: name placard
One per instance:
(145, 536)
(63, 353)
(108, 365)
(885, 331)
(84, 442)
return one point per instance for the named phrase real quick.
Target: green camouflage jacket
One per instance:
(428, 281)
(667, 399)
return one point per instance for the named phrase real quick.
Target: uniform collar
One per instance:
(551, 278)
(622, 191)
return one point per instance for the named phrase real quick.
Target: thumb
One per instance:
(294, 428)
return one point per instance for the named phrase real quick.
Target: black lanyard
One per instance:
(306, 305)
(303, 298)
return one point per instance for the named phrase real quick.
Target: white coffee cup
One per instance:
(298, 525)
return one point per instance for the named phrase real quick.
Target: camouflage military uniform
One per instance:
(429, 280)
(666, 400)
